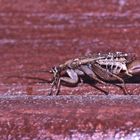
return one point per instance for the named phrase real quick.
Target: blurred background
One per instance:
(39, 34)
(36, 35)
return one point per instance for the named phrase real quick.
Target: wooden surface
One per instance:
(69, 117)
(36, 35)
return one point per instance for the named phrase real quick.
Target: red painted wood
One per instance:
(38, 34)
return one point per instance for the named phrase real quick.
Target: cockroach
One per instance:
(102, 68)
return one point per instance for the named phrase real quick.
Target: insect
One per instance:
(102, 68)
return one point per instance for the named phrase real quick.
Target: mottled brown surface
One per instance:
(70, 117)
(38, 34)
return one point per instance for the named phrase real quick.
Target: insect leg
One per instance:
(72, 80)
(109, 76)
(54, 84)
(80, 73)
(91, 74)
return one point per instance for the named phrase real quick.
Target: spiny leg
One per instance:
(109, 76)
(100, 89)
(123, 87)
(92, 75)
(72, 80)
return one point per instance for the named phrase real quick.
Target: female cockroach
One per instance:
(99, 67)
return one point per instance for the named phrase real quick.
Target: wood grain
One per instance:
(38, 34)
